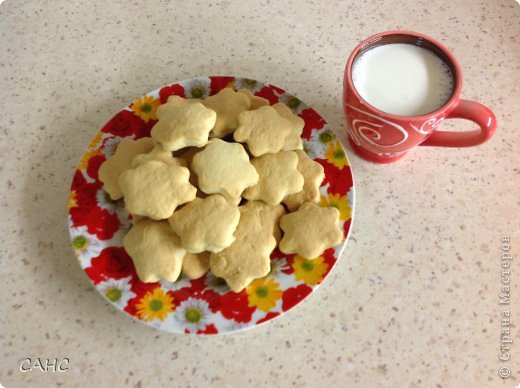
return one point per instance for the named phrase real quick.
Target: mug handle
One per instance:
(469, 110)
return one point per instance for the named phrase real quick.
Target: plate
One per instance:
(206, 305)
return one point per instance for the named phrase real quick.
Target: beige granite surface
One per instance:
(414, 300)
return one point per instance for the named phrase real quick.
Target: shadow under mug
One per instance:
(381, 137)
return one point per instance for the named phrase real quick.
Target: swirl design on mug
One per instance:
(433, 123)
(361, 128)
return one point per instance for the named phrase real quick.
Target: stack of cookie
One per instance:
(211, 188)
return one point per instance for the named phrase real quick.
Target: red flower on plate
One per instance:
(210, 329)
(98, 221)
(236, 306)
(125, 123)
(276, 89)
(294, 295)
(85, 191)
(346, 226)
(218, 83)
(268, 93)
(172, 90)
(328, 257)
(268, 317)
(112, 262)
(340, 181)
(93, 166)
(312, 121)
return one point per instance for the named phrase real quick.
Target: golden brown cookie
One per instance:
(228, 104)
(224, 168)
(248, 258)
(154, 189)
(206, 224)
(310, 230)
(184, 126)
(279, 177)
(313, 174)
(255, 101)
(269, 216)
(195, 265)
(112, 168)
(172, 103)
(263, 130)
(155, 250)
(293, 141)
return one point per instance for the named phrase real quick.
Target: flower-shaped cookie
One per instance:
(310, 230)
(206, 224)
(155, 250)
(184, 126)
(268, 215)
(256, 102)
(112, 168)
(154, 189)
(160, 154)
(224, 168)
(195, 265)
(279, 177)
(263, 130)
(172, 103)
(248, 257)
(313, 174)
(293, 141)
(228, 104)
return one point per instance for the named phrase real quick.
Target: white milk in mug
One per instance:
(402, 79)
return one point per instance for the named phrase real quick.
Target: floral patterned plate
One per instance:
(203, 306)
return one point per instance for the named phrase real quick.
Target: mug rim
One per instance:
(455, 95)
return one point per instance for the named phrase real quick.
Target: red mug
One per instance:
(381, 137)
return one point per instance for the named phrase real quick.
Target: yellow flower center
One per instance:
(339, 154)
(334, 204)
(193, 315)
(80, 242)
(114, 294)
(146, 108)
(293, 103)
(262, 292)
(197, 92)
(250, 82)
(325, 137)
(156, 305)
(307, 266)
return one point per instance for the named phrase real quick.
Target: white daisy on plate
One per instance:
(351, 198)
(124, 218)
(236, 326)
(296, 105)
(193, 314)
(277, 266)
(314, 149)
(323, 135)
(216, 284)
(181, 282)
(105, 202)
(86, 246)
(109, 145)
(117, 291)
(198, 88)
(247, 83)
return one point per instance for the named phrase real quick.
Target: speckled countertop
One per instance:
(413, 302)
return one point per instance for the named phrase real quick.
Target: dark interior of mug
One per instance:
(410, 39)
